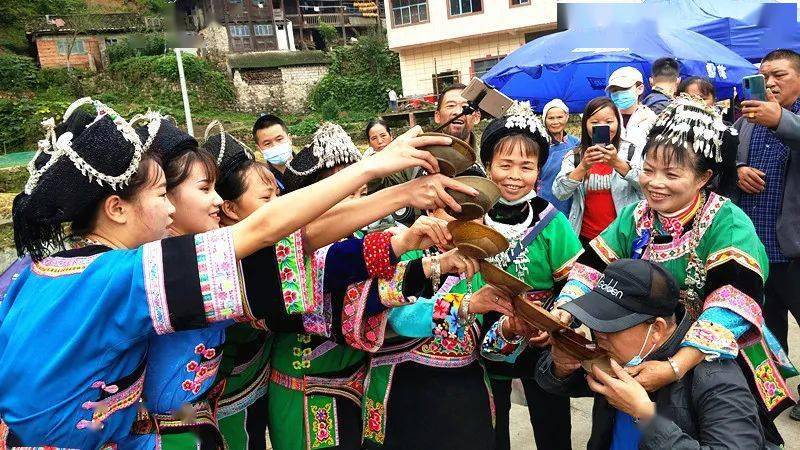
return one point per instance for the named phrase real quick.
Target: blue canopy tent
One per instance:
(574, 65)
(742, 38)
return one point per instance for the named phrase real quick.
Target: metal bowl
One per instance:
(476, 240)
(454, 158)
(474, 207)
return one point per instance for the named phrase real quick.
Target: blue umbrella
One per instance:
(574, 65)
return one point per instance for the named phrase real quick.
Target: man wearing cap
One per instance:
(555, 115)
(632, 314)
(625, 87)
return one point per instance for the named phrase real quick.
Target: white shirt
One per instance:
(392, 95)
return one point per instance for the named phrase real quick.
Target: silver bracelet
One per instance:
(465, 319)
(518, 340)
(436, 273)
(675, 368)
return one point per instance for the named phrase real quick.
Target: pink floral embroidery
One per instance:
(287, 274)
(282, 251)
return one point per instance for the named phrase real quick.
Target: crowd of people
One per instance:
(181, 294)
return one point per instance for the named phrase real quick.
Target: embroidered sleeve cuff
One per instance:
(377, 251)
(390, 290)
(192, 281)
(296, 275)
(714, 340)
(319, 320)
(445, 316)
(496, 347)
(362, 331)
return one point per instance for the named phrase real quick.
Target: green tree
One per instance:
(359, 77)
(329, 33)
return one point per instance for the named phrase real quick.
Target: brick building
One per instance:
(84, 38)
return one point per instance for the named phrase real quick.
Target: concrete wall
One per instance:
(498, 16)
(280, 89)
(419, 63)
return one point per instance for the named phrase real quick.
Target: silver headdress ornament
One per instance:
(331, 145)
(153, 119)
(688, 119)
(520, 115)
(222, 137)
(62, 146)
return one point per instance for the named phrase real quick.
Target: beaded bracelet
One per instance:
(436, 273)
(518, 340)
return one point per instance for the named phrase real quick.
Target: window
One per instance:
(235, 1)
(520, 2)
(78, 48)
(443, 79)
(459, 7)
(483, 65)
(407, 12)
(239, 31)
(112, 41)
(263, 30)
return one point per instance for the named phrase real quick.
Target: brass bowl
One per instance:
(454, 158)
(474, 207)
(476, 240)
(500, 278)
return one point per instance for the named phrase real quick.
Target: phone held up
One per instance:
(601, 135)
(755, 87)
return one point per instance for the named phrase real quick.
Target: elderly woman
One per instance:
(556, 116)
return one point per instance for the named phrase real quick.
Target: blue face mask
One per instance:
(638, 359)
(624, 99)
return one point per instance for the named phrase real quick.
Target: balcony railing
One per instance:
(335, 19)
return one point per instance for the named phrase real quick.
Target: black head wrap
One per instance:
(330, 147)
(229, 152)
(519, 119)
(78, 172)
(169, 141)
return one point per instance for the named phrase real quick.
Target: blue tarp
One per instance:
(742, 38)
(574, 65)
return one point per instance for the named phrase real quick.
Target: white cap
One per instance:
(625, 77)
(554, 103)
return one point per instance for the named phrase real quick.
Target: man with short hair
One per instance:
(631, 312)
(625, 87)
(272, 138)
(449, 105)
(768, 162)
(664, 79)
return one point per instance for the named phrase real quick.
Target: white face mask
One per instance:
(279, 154)
(639, 358)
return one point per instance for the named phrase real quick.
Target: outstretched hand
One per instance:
(403, 153)
(429, 192)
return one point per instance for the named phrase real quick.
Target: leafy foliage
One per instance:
(17, 73)
(358, 78)
(328, 32)
(137, 45)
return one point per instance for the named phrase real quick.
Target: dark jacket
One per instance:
(710, 407)
(788, 131)
(657, 100)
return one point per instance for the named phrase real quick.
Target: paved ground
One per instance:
(522, 434)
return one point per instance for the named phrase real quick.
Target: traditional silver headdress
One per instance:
(56, 147)
(690, 121)
(520, 115)
(331, 145)
(223, 136)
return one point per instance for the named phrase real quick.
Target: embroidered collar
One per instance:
(675, 223)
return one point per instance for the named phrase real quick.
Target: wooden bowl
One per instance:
(537, 316)
(454, 158)
(476, 240)
(500, 278)
(603, 363)
(474, 207)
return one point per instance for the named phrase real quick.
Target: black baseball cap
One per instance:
(631, 291)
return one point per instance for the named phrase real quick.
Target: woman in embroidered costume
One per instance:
(102, 182)
(710, 246)
(600, 179)
(542, 250)
(430, 365)
(332, 269)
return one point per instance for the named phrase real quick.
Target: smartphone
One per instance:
(756, 87)
(601, 134)
(490, 100)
